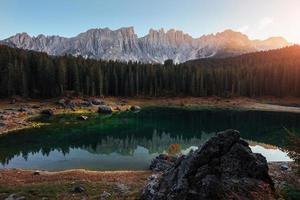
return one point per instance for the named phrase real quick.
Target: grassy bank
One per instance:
(64, 185)
(115, 185)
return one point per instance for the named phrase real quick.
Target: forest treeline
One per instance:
(38, 75)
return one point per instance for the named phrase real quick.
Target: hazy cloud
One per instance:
(243, 29)
(264, 22)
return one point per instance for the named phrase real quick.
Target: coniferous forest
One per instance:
(38, 75)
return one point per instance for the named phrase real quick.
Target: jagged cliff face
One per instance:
(157, 46)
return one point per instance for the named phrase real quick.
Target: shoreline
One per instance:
(15, 116)
(36, 184)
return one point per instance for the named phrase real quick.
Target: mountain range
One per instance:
(155, 47)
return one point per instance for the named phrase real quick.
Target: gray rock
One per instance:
(36, 173)
(23, 109)
(122, 188)
(223, 168)
(97, 102)
(11, 197)
(151, 187)
(157, 46)
(105, 109)
(85, 104)
(284, 167)
(135, 108)
(83, 117)
(15, 197)
(105, 195)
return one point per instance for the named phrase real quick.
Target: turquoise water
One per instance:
(128, 141)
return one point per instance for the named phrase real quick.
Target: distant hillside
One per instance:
(38, 75)
(155, 47)
(277, 55)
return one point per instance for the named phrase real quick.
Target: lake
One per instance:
(129, 141)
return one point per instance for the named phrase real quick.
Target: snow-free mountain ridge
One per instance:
(157, 46)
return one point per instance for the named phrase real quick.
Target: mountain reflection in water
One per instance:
(130, 140)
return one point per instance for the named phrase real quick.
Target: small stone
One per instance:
(97, 102)
(135, 108)
(11, 197)
(36, 173)
(78, 189)
(83, 117)
(284, 167)
(105, 109)
(105, 195)
(122, 188)
(23, 109)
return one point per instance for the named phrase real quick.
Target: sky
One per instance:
(259, 19)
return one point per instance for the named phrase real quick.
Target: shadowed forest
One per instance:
(38, 75)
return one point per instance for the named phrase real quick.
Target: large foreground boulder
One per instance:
(223, 168)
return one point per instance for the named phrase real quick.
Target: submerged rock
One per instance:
(135, 108)
(105, 109)
(223, 168)
(48, 112)
(83, 117)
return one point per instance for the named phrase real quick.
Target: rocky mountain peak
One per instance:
(127, 30)
(157, 46)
